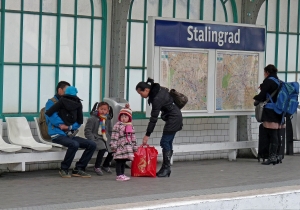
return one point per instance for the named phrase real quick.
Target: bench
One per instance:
(20, 159)
(17, 161)
(5, 147)
(19, 133)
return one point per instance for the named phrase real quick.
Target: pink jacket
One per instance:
(123, 145)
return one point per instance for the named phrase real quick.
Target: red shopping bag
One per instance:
(144, 162)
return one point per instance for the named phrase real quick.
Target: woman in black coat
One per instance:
(271, 120)
(161, 101)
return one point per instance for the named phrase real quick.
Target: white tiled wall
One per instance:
(195, 130)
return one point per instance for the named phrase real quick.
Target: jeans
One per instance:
(107, 160)
(166, 141)
(120, 166)
(73, 144)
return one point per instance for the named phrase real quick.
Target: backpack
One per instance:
(42, 122)
(287, 98)
(179, 99)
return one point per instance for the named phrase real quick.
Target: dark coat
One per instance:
(162, 101)
(69, 109)
(91, 132)
(268, 87)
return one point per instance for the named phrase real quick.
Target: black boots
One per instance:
(272, 155)
(165, 169)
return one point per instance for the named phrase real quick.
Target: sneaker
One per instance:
(106, 169)
(121, 178)
(126, 177)
(98, 171)
(64, 173)
(80, 173)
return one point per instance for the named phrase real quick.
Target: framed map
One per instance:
(236, 80)
(186, 72)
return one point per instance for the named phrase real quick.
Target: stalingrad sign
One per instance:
(208, 36)
(218, 66)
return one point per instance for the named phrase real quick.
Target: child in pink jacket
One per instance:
(123, 142)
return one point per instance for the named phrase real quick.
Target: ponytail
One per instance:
(94, 108)
(143, 85)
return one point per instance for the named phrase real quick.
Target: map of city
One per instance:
(236, 81)
(186, 72)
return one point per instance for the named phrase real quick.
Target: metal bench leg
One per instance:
(232, 136)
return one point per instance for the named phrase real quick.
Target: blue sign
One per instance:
(208, 36)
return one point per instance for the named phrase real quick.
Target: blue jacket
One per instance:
(54, 121)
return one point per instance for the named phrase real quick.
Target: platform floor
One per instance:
(47, 190)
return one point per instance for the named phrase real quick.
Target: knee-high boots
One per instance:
(273, 135)
(165, 169)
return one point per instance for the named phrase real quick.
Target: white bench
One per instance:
(19, 133)
(20, 159)
(49, 142)
(5, 147)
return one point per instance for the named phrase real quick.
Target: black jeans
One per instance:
(107, 160)
(73, 144)
(120, 166)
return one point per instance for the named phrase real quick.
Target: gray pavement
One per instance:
(46, 190)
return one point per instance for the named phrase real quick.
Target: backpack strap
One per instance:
(275, 80)
(53, 99)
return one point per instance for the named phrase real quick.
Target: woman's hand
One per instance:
(145, 140)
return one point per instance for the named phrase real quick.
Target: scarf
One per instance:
(128, 130)
(101, 129)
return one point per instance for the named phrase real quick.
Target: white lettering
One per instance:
(214, 35)
(237, 37)
(209, 35)
(195, 34)
(230, 39)
(225, 36)
(189, 30)
(221, 42)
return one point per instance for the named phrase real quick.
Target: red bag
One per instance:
(144, 162)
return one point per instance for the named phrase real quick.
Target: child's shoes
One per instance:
(126, 177)
(122, 178)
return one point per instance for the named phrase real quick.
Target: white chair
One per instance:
(5, 147)
(36, 120)
(81, 129)
(19, 133)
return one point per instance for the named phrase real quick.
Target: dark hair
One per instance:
(98, 104)
(271, 69)
(142, 85)
(62, 85)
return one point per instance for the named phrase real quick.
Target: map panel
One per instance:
(186, 72)
(236, 81)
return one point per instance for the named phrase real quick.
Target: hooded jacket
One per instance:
(162, 101)
(91, 132)
(268, 87)
(54, 121)
(69, 109)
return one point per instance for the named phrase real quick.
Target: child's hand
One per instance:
(64, 127)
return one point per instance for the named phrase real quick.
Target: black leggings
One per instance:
(120, 166)
(99, 158)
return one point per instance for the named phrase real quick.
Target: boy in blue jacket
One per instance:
(57, 130)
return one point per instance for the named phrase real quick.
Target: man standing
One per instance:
(57, 130)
